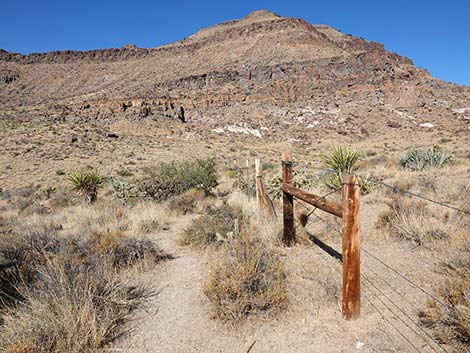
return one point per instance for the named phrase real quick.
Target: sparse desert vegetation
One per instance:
(66, 282)
(451, 323)
(420, 158)
(63, 256)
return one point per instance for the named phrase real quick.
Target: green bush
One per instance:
(174, 179)
(86, 182)
(419, 158)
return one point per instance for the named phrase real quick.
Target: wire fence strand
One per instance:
(383, 295)
(396, 189)
(390, 268)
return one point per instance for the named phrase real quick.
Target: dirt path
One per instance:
(178, 319)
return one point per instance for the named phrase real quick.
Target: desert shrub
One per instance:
(86, 182)
(302, 178)
(65, 292)
(70, 309)
(118, 249)
(247, 278)
(124, 191)
(187, 202)
(174, 179)
(213, 228)
(102, 217)
(451, 324)
(419, 158)
(416, 221)
(245, 182)
(148, 217)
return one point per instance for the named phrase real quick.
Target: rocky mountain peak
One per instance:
(262, 14)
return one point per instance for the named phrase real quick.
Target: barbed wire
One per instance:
(391, 324)
(396, 189)
(405, 314)
(390, 268)
(382, 314)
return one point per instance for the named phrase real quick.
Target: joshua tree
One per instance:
(86, 182)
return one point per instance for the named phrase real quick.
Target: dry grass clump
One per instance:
(214, 227)
(246, 274)
(451, 324)
(63, 290)
(70, 309)
(187, 202)
(247, 278)
(149, 217)
(418, 221)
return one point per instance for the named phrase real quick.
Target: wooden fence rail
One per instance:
(348, 210)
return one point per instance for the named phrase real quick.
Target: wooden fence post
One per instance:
(351, 307)
(264, 202)
(259, 182)
(288, 202)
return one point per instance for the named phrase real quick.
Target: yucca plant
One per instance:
(86, 182)
(419, 158)
(340, 161)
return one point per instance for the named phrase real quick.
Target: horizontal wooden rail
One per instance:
(323, 204)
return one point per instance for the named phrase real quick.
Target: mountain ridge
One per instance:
(264, 67)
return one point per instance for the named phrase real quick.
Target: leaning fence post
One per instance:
(259, 186)
(351, 249)
(287, 202)
(264, 202)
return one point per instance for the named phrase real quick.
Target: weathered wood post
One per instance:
(248, 183)
(351, 249)
(288, 202)
(264, 202)
(259, 182)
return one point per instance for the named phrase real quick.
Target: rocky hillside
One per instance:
(254, 77)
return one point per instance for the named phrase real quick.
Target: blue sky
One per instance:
(435, 34)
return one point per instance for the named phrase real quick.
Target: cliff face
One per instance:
(257, 72)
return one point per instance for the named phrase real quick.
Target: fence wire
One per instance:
(396, 189)
(387, 320)
(369, 284)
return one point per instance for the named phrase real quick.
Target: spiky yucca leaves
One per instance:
(86, 182)
(340, 161)
(419, 158)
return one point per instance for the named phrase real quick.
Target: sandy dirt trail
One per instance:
(178, 319)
